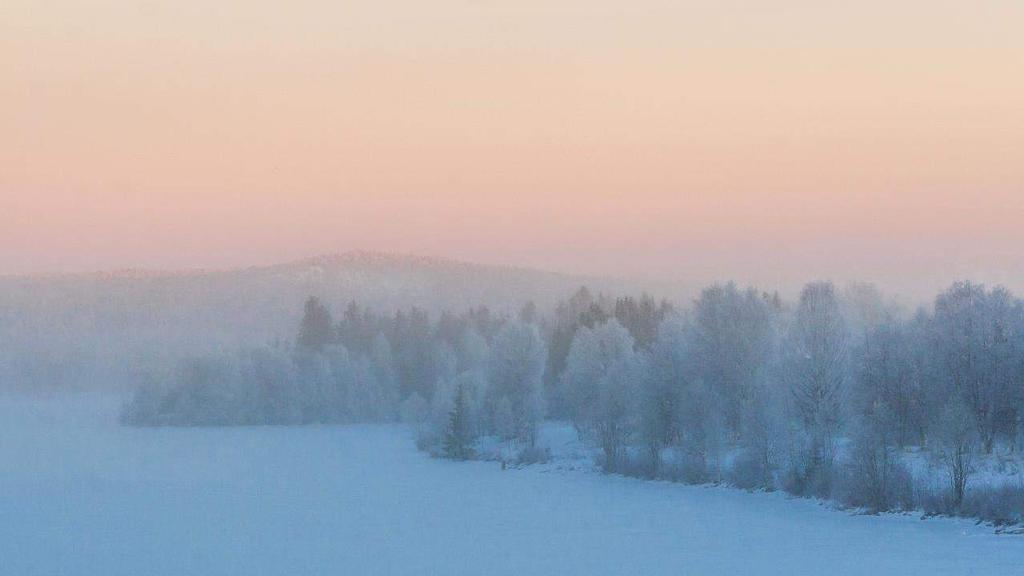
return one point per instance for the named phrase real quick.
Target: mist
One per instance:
(361, 367)
(555, 287)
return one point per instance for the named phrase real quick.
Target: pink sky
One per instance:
(770, 142)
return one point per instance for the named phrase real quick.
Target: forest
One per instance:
(834, 395)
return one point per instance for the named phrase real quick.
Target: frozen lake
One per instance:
(81, 495)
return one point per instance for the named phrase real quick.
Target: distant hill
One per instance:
(100, 329)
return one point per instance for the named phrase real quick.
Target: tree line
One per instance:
(823, 396)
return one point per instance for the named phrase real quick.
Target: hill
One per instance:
(99, 330)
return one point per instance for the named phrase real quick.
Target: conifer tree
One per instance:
(317, 328)
(458, 436)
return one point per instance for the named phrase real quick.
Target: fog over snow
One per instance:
(380, 414)
(566, 287)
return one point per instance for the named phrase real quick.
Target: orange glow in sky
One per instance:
(770, 142)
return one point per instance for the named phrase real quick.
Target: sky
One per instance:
(767, 142)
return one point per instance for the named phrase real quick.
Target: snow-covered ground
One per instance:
(1001, 468)
(80, 495)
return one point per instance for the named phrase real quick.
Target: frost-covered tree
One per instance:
(702, 436)
(382, 360)
(271, 386)
(601, 381)
(889, 380)
(592, 354)
(562, 331)
(414, 410)
(368, 401)
(667, 375)
(732, 332)
(200, 391)
(978, 346)
(515, 372)
(321, 394)
(614, 420)
(503, 421)
(865, 308)
(472, 351)
(759, 440)
(742, 388)
(815, 368)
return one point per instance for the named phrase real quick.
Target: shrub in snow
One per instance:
(958, 439)
(1001, 505)
(874, 479)
(535, 454)
(750, 470)
(872, 476)
(805, 472)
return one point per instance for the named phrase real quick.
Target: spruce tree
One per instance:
(458, 437)
(317, 328)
